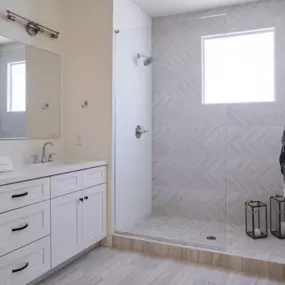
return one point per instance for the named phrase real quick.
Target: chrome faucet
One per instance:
(44, 159)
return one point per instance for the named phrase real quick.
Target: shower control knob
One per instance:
(140, 131)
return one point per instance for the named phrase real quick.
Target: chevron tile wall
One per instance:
(209, 159)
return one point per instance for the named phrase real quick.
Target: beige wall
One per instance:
(88, 76)
(49, 13)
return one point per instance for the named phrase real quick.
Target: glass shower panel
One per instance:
(189, 136)
(133, 128)
(254, 129)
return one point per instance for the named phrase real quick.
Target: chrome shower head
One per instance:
(148, 59)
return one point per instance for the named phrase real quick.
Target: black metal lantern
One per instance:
(256, 225)
(277, 216)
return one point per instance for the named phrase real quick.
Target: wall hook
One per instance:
(85, 104)
(45, 106)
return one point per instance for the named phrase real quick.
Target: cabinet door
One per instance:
(94, 215)
(66, 227)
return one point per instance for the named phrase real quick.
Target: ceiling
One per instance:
(161, 8)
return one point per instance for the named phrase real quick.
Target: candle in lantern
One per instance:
(257, 232)
(283, 228)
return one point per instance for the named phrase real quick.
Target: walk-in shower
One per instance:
(210, 94)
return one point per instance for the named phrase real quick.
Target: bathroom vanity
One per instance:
(48, 214)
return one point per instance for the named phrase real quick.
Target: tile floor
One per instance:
(104, 266)
(229, 239)
(177, 229)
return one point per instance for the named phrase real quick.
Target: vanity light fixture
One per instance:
(32, 27)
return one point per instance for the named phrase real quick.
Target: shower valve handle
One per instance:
(140, 131)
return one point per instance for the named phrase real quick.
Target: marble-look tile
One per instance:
(199, 149)
(256, 114)
(231, 239)
(205, 205)
(181, 230)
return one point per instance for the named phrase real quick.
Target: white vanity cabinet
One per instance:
(78, 220)
(47, 220)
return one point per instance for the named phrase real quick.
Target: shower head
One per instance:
(148, 59)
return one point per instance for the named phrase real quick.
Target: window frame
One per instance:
(235, 34)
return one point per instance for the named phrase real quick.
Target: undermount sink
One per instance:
(53, 163)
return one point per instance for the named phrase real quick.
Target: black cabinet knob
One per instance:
(81, 199)
(86, 197)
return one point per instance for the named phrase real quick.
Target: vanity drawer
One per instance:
(93, 176)
(65, 184)
(23, 226)
(26, 264)
(18, 195)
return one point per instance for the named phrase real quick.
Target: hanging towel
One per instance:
(282, 154)
(6, 164)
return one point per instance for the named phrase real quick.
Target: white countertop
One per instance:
(35, 171)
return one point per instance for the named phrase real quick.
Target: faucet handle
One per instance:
(35, 159)
(50, 157)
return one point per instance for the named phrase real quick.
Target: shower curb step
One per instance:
(213, 258)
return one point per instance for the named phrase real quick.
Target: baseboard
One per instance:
(107, 242)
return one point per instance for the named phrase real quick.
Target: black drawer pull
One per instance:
(20, 269)
(86, 197)
(20, 195)
(81, 199)
(20, 229)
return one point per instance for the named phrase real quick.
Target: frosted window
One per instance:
(239, 68)
(16, 87)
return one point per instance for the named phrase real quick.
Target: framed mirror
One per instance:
(30, 92)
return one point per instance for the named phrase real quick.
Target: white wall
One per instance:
(131, 203)
(128, 15)
(49, 13)
(133, 106)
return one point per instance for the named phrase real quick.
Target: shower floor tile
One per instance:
(175, 229)
(232, 240)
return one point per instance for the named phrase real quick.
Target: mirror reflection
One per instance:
(30, 91)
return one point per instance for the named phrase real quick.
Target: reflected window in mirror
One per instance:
(16, 86)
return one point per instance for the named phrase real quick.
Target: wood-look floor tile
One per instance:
(104, 266)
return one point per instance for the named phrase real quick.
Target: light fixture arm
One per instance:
(32, 27)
